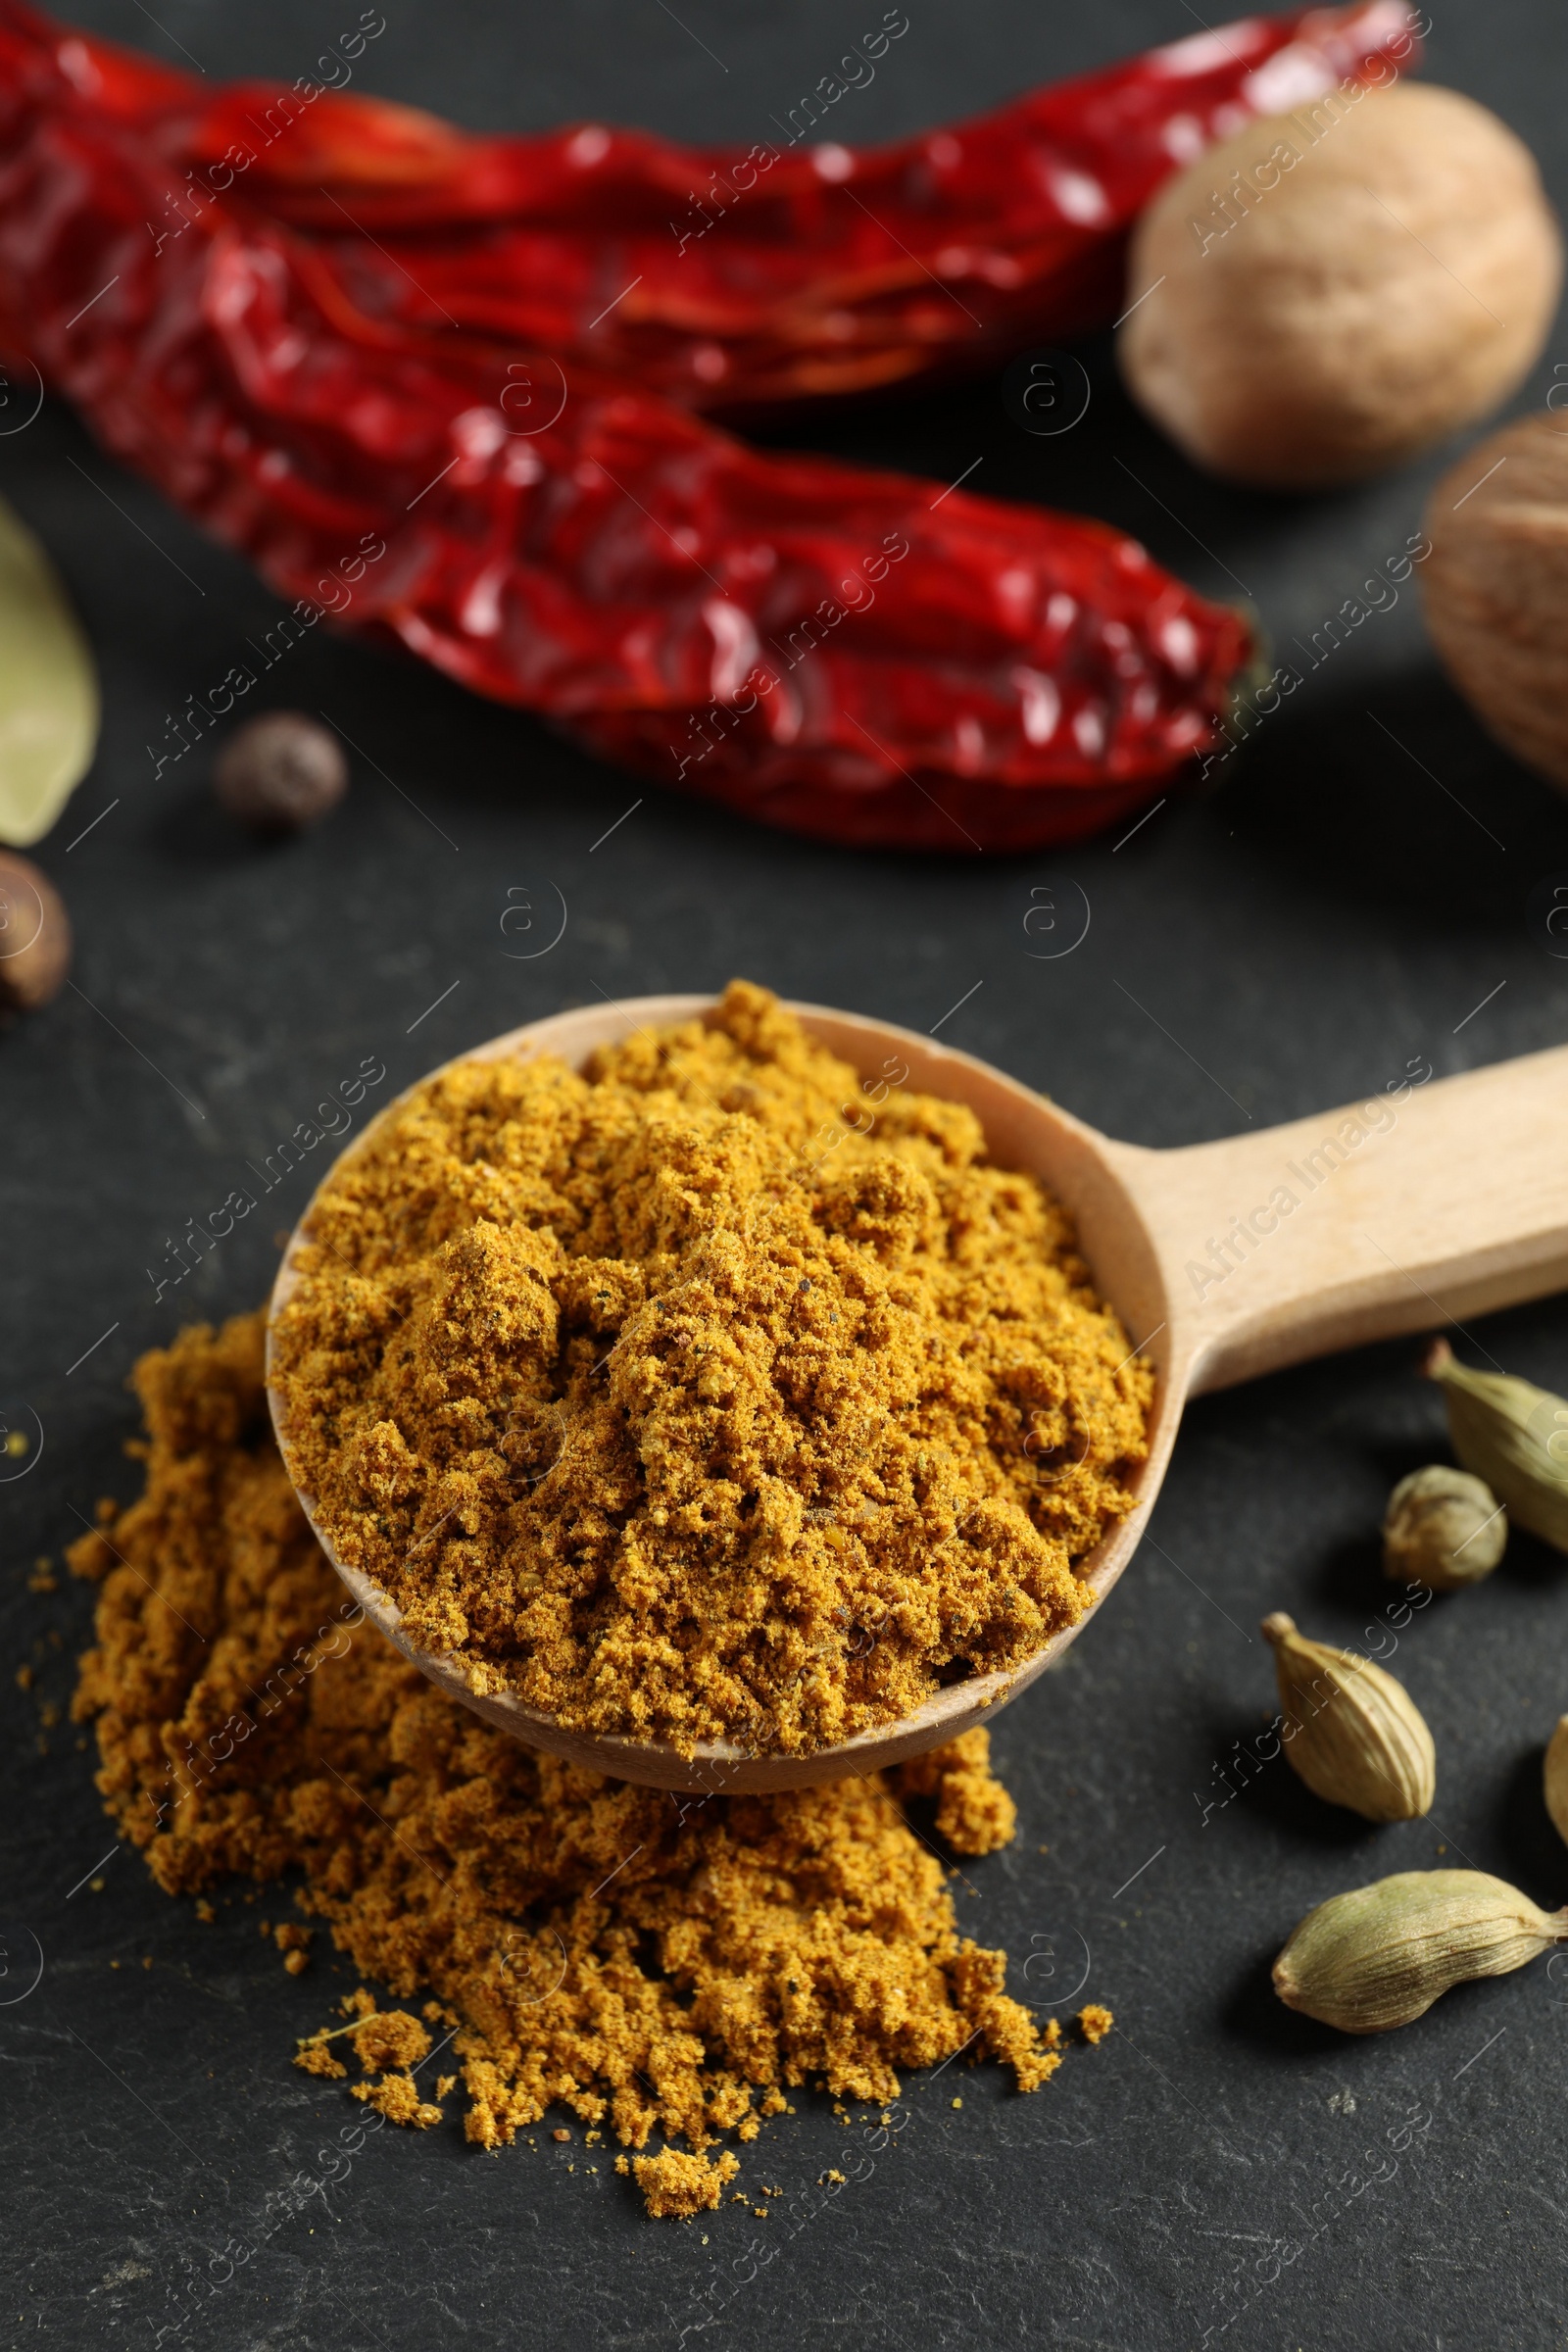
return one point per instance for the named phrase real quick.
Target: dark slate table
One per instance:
(1218, 2172)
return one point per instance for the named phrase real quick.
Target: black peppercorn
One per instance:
(280, 773)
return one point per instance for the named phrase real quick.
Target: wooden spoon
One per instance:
(1418, 1207)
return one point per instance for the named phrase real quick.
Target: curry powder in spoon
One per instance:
(713, 1392)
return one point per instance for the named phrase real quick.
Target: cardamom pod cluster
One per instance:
(1555, 1778)
(1443, 1529)
(1380, 1955)
(1353, 1734)
(1511, 1433)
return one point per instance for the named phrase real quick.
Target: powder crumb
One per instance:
(837, 2178)
(23, 1678)
(95, 1886)
(445, 2086)
(677, 2185)
(1095, 2022)
(397, 2097)
(648, 1407)
(560, 2133)
(315, 2058)
(761, 2212)
(974, 1812)
(958, 2102)
(803, 1937)
(205, 1912)
(391, 2041)
(294, 1942)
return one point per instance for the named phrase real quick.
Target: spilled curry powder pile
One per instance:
(713, 1392)
(668, 1967)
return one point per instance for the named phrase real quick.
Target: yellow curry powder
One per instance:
(711, 1392)
(664, 1966)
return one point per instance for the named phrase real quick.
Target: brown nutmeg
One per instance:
(1496, 586)
(35, 935)
(280, 773)
(1332, 291)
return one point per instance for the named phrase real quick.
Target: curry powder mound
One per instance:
(664, 1966)
(711, 1392)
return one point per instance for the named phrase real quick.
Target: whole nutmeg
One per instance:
(1331, 291)
(280, 773)
(35, 935)
(1443, 1529)
(1496, 586)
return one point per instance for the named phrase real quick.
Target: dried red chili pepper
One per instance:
(730, 278)
(862, 658)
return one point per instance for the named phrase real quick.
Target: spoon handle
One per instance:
(1417, 1206)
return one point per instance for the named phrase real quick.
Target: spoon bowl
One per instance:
(1425, 1201)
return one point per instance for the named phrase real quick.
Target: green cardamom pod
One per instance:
(1443, 1529)
(1380, 1955)
(1353, 1734)
(1511, 1433)
(48, 688)
(1555, 1778)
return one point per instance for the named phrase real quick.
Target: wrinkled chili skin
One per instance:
(743, 281)
(947, 672)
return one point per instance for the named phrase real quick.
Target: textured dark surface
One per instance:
(1218, 2172)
